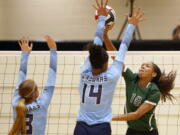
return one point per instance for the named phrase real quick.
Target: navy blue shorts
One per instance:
(98, 129)
(131, 131)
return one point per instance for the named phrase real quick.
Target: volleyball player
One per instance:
(97, 81)
(143, 91)
(29, 111)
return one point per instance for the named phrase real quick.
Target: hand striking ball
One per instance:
(111, 17)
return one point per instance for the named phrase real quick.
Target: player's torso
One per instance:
(96, 93)
(135, 95)
(36, 117)
(135, 98)
(96, 90)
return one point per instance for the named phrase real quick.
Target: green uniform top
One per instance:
(136, 96)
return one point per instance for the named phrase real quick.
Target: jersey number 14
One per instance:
(97, 94)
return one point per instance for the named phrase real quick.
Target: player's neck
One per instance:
(143, 83)
(32, 100)
(29, 102)
(97, 71)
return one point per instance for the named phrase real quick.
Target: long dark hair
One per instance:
(165, 82)
(97, 55)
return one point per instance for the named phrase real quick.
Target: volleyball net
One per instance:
(65, 102)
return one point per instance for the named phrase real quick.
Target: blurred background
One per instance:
(74, 19)
(71, 23)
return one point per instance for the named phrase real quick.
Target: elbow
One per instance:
(137, 115)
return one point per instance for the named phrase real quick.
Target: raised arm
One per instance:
(102, 13)
(50, 84)
(116, 68)
(26, 49)
(109, 45)
(133, 22)
(98, 39)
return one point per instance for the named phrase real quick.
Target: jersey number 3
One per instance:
(29, 119)
(92, 93)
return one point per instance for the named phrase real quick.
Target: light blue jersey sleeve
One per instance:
(21, 76)
(50, 84)
(98, 40)
(125, 43)
(116, 68)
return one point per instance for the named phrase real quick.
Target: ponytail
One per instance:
(19, 125)
(165, 83)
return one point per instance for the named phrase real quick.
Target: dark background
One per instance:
(137, 45)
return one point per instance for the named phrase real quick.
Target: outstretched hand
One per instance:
(24, 45)
(101, 8)
(136, 17)
(50, 42)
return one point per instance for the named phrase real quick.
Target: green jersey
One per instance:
(136, 96)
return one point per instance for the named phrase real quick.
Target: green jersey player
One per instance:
(143, 91)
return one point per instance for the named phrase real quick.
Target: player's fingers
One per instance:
(142, 19)
(101, 3)
(27, 41)
(97, 3)
(46, 37)
(107, 28)
(106, 2)
(140, 15)
(134, 11)
(23, 40)
(137, 12)
(95, 7)
(20, 44)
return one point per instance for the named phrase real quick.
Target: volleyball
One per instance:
(111, 17)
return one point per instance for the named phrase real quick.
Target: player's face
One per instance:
(146, 71)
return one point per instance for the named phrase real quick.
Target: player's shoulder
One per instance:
(33, 106)
(153, 87)
(129, 75)
(86, 71)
